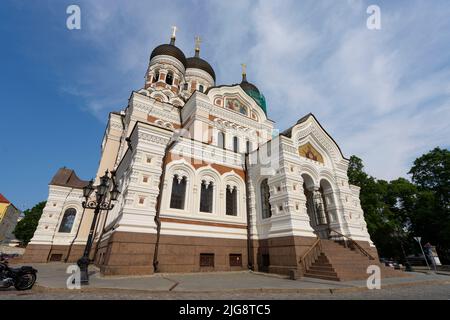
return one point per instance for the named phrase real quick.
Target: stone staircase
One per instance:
(339, 263)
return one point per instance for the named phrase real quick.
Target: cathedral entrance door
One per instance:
(316, 208)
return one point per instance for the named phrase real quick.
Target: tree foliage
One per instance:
(398, 210)
(26, 227)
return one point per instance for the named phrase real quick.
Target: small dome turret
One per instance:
(252, 91)
(199, 73)
(169, 50)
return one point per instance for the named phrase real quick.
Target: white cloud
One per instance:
(382, 94)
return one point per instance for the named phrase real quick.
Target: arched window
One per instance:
(156, 76)
(231, 201)
(201, 88)
(206, 196)
(169, 78)
(265, 203)
(68, 220)
(178, 192)
(235, 144)
(221, 140)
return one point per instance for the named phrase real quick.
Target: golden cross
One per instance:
(198, 40)
(174, 31)
(244, 68)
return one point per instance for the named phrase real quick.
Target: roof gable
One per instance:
(310, 125)
(3, 199)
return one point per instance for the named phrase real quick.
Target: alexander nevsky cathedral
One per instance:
(206, 185)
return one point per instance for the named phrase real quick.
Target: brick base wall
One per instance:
(132, 254)
(282, 253)
(36, 253)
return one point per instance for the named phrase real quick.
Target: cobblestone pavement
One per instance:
(418, 292)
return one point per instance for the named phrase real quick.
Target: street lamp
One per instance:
(418, 239)
(103, 198)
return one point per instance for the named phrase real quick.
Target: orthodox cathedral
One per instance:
(206, 185)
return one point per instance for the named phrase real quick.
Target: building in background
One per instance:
(9, 216)
(206, 185)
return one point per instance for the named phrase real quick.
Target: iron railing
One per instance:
(311, 255)
(347, 242)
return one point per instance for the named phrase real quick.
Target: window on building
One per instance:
(248, 146)
(269, 148)
(156, 76)
(56, 257)
(235, 144)
(231, 201)
(206, 259)
(185, 86)
(221, 140)
(68, 220)
(265, 203)
(206, 196)
(178, 192)
(201, 88)
(169, 78)
(235, 260)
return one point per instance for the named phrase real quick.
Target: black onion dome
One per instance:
(169, 50)
(199, 63)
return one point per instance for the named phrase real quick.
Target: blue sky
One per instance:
(384, 95)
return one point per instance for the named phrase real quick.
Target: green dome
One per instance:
(253, 92)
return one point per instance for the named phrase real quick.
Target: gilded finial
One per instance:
(198, 40)
(174, 35)
(244, 72)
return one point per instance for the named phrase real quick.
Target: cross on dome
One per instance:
(174, 35)
(198, 40)
(244, 72)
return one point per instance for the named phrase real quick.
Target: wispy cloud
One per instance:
(384, 95)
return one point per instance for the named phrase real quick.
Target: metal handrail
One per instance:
(311, 255)
(353, 242)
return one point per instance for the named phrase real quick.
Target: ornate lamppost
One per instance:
(103, 198)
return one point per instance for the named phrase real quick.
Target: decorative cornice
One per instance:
(153, 138)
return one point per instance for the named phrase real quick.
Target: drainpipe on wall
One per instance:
(158, 199)
(249, 240)
(158, 205)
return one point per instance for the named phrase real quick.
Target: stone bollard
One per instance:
(293, 274)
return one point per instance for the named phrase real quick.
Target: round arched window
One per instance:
(169, 78)
(68, 220)
(156, 76)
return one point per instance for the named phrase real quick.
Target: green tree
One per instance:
(431, 217)
(431, 171)
(398, 210)
(25, 228)
(386, 207)
(355, 172)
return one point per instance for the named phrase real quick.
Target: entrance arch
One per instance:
(316, 206)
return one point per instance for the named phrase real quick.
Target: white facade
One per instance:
(174, 129)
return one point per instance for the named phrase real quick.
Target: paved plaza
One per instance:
(52, 279)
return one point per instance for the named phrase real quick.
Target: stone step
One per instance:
(331, 278)
(322, 265)
(347, 262)
(316, 267)
(322, 273)
(339, 263)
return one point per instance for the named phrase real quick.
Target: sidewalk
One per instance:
(53, 276)
(439, 271)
